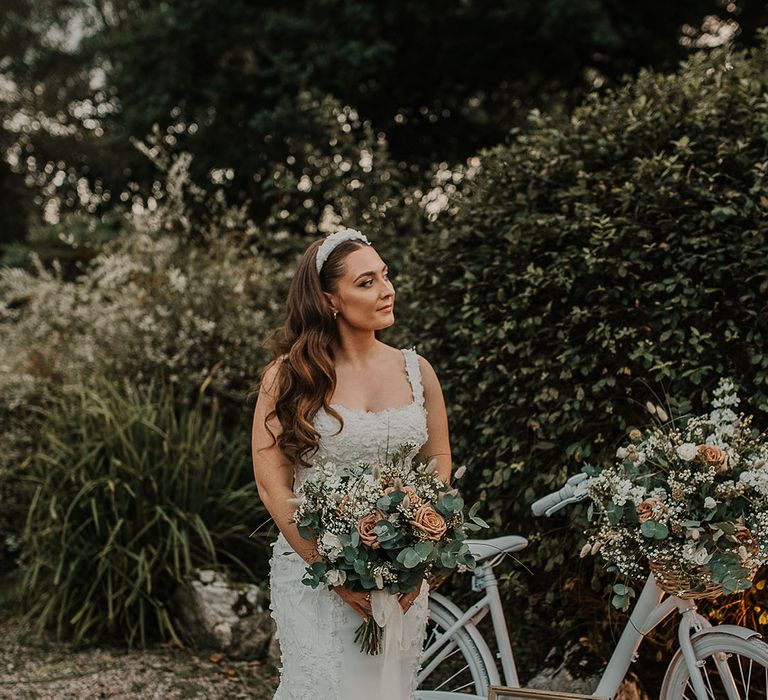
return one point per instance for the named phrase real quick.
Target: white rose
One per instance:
(709, 502)
(335, 577)
(701, 556)
(331, 544)
(621, 453)
(687, 451)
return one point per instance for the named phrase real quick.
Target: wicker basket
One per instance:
(677, 582)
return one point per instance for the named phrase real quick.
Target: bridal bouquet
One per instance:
(383, 527)
(690, 498)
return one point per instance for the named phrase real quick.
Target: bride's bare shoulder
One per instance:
(390, 352)
(428, 375)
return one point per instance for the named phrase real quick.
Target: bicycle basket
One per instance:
(672, 578)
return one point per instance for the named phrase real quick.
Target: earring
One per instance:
(334, 314)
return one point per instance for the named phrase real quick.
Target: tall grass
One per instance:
(132, 487)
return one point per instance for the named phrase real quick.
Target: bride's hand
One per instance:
(406, 599)
(361, 602)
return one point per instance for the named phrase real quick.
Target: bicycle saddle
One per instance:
(484, 549)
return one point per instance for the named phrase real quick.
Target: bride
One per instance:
(334, 390)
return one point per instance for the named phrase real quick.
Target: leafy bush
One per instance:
(595, 264)
(130, 491)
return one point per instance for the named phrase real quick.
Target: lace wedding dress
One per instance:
(315, 627)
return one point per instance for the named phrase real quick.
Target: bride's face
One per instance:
(364, 295)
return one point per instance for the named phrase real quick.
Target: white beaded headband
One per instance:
(331, 241)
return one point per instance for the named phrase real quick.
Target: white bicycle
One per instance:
(712, 662)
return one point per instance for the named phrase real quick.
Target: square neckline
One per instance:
(392, 408)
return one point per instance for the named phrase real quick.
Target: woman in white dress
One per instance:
(335, 390)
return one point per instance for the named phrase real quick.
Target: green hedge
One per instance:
(596, 263)
(131, 488)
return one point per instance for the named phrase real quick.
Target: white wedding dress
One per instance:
(315, 627)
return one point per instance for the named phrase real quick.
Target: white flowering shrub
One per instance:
(690, 497)
(145, 306)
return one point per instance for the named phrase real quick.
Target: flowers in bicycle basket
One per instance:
(382, 528)
(689, 498)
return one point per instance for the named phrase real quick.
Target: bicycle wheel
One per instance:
(732, 668)
(462, 664)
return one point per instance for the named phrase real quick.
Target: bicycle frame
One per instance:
(483, 579)
(650, 610)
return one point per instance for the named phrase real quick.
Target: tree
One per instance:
(224, 80)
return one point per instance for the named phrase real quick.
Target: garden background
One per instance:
(572, 200)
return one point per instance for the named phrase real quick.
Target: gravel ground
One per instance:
(47, 670)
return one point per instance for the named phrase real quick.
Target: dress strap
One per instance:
(414, 374)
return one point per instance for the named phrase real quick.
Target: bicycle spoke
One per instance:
(466, 686)
(451, 662)
(733, 678)
(710, 689)
(448, 680)
(749, 677)
(445, 653)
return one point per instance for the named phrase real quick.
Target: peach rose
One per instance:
(713, 455)
(645, 509)
(429, 521)
(365, 527)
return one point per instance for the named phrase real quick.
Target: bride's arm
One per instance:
(273, 471)
(274, 480)
(438, 443)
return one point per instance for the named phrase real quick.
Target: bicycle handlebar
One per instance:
(570, 493)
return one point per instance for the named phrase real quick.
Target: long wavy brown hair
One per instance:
(303, 350)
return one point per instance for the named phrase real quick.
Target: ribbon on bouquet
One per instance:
(388, 614)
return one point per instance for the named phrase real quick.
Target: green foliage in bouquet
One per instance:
(131, 489)
(690, 498)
